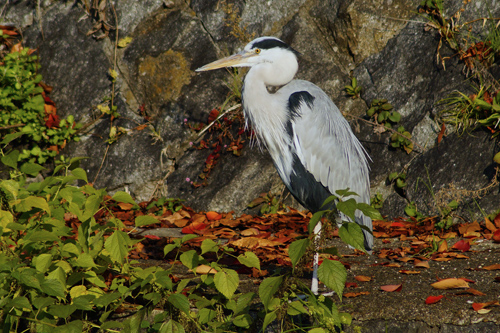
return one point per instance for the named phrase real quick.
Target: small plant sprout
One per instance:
(353, 90)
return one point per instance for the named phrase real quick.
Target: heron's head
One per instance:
(273, 56)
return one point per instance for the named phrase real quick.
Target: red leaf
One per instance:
(496, 235)
(152, 237)
(392, 287)
(433, 299)
(462, 245)
(351, 285)
(441, 133)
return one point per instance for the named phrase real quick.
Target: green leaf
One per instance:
(79, 173)
(121, 196)
(42, 262)
(19, 302)
(249, 259)
(180, 301)
(296, 308)
(189, 259)
(171, 327)
(42, 302)
(352, 234)
(53, 287)
(395, 117)
(333, 274)
(496, 158)
(206, 315)
(145, 220)
(84, 260)
(31, 169)
(11, 159)
(61, 310)
(315, 219)
(243, 320)
(41, 236)
(117, 245)
(369, 211)
(348, 208)
(243, 303)
(107, 299)
(297, 250)
(226, 281)
(37, 202)
(329, 250)
(268, 288)
(269, 318)
(168, 248)
(209, 245)
(11, 137)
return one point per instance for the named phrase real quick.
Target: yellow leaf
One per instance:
(451, 283)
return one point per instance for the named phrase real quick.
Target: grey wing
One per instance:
(329, 150)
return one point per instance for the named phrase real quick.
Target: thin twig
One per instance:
(234, 107)
(102, 162)
(11, 126)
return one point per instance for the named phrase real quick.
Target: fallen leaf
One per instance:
(473, 292)
(496, 235)
(351, 285)
(250, 232)
(392, 287)
(351, 295)
(204, 269)
(404, 271)
(461, 245)
(125, 206)
(362, 278)
(490, 226)
(433, 299)
(213, 216)
(253, 242)
(422, 263)
(451, 283)
(443, 247)
(492, 267)
(479, 306)
(154, 237)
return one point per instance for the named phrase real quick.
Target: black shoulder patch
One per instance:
(296, 99)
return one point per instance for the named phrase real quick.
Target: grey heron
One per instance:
(311, 143)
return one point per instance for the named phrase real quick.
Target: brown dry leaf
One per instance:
(422, 263)
(204, 269)
(224, 233)
(230, 222)
(451, 283)
(253, 242)
(250, 232)
(490, 226)
(392, 287)
(362, 278)
(125, 206)
(351, 295)
(442, 259)
(443, 247)
(492, 267)
(405, 259)
(473, 292)
(404, 271)
(450, 234)
(393, 264)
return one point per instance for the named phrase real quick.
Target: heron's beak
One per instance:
(236, 60)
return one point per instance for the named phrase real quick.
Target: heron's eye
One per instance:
(257, 51)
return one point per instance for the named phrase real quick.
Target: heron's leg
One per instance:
(317, 236)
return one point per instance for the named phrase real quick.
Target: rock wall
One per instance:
(385, 44)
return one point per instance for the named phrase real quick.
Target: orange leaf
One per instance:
(250, 232)
(404, 271)
(392, 287)
(125, 206)
(479, 306)
(441, 133)
(492, 267)
(433, 299)
(351, 295)
(443, 247)
(490, 226)
(451, 283)
(362, 278)
(351, 285)
(496, 235)
(422, 263)
(474, 292)
(212, 216)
